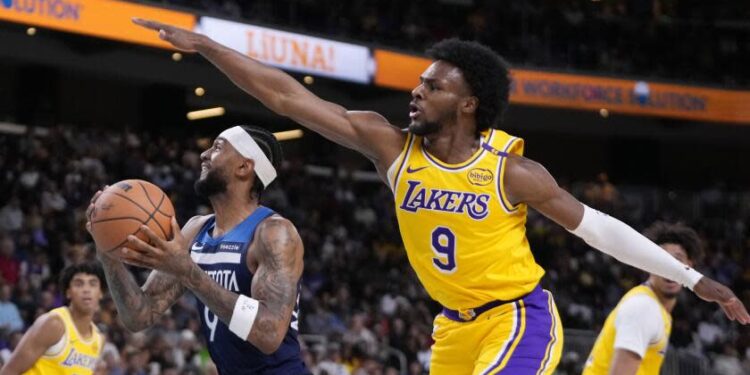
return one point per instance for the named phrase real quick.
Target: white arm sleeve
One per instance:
(613, 237)
(638, 324)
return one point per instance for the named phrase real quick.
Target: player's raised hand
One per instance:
(90, 208)
(713, 291)
(184, 40)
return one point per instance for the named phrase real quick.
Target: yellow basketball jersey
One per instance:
(465, 240)
(601, 356)
(78, 356)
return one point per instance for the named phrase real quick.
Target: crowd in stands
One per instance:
(362, 308)
(707, 42)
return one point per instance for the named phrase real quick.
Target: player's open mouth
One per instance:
(414, 110)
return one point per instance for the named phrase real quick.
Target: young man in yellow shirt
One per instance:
(635, 336)
(65, 340)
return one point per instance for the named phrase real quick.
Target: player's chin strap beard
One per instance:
(248, 148)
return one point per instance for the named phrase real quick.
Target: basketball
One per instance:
(123, 207)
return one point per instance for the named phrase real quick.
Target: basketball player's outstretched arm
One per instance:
(529, 182)
(366, 132)
(278, 249)
(45, 332)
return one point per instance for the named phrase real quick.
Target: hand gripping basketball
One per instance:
(122, 208)
(170, 256)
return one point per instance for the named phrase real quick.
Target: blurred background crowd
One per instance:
(665, 39)
(362, 309)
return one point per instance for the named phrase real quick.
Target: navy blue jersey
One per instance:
(225, 260)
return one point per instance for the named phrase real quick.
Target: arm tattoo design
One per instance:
(279, 253)
(138, 309)
(275, 280)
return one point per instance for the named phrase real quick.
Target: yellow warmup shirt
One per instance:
(652, 352)
(78, 355)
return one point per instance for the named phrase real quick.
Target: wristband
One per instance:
(243, 317)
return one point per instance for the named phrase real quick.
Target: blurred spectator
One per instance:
(11, 216)
(10, 267)
(359, 335)
(52, 200)
(10, 317)
(331, 364)
(727, 363)
(13, 341)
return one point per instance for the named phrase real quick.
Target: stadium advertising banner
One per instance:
(107, 19)
(290, 51)
(400, 71)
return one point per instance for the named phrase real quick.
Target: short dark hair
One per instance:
(89, 268)
(270, 147)
(485, 72)
(680, 234)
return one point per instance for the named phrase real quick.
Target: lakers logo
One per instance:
(421, 198)
(75, 358)
(480, 176)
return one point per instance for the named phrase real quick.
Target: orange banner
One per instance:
(397, 70)
(400, 71)
(99, 18)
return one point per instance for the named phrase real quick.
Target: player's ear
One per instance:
(245, 168)
(469, 105)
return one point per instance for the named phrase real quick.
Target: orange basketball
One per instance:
(123, 207)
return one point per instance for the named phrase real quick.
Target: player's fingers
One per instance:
(136, 244)
(149, 24)
(741, 313)
(176, 231)
(165, 31)
(99, 192)
(735, 310)
(737, 313)
(135, 258)
(728, 311)
(93, 200)
(152, 237)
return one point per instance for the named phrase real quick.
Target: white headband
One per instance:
(247, 147)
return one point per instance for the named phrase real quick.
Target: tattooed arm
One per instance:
(139, 307)
(278, 250)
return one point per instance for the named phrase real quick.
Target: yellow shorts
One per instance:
(523, 337)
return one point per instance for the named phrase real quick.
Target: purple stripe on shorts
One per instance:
(529, 354)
